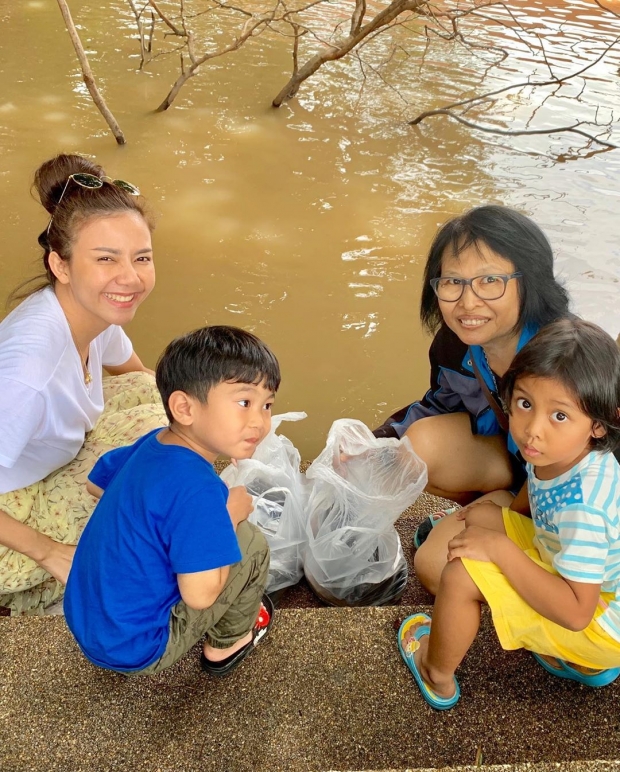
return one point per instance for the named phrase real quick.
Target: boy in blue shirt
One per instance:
(168, 555)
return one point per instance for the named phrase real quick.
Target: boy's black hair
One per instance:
(514, 237)
(586, 361)
(200, 360)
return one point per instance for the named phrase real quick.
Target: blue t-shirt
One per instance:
(163, 513)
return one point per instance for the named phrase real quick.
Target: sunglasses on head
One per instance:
(92, 182)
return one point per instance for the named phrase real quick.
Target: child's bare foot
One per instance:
(442, 685)
(217, 655)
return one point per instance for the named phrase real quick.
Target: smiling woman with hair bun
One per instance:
(98, 268)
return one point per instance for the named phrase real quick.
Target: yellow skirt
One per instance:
(59, 505)
(519, 626)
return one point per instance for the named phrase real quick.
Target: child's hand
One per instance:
(474, 542)
(239, 504)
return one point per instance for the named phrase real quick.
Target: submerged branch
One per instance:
(249, 29)
(554, 80)
(358, 16)
(88, 76)
(573, 128)
(335, 52)
(146, 44)
(165, 19)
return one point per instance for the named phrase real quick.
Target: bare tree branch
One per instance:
(523, 84)
(251, 26)
(335, 52)
(515, 132)
(165, 19)
(296, 46)
(605, 8)
(358, 16)
(88, 76)
(461, 22)
(145, 44)
(151, 33)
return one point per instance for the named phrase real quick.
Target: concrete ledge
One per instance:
(566, 766)
(325, 691)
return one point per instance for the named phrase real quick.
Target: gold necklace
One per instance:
(88, 378)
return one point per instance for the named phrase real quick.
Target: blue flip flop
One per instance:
(602, 678)
(408, 649)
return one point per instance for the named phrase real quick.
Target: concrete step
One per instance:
(325, 691)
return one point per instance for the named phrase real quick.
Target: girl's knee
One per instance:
(453, 573)
(430, 558)
(455, 580)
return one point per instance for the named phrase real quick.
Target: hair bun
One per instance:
(51, 177)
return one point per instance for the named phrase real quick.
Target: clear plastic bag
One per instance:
(354, 556)
(273, 479)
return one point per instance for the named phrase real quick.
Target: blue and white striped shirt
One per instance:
(577, 522)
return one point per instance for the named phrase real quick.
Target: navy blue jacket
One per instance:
(454, 388)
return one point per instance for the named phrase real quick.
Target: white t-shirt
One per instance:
(45, 406)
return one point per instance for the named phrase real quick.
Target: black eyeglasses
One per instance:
(92, 182)
(491, 286)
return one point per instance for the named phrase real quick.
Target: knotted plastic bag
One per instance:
(273, 479)
(360, 486)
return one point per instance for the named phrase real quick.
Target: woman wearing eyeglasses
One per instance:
(488, 288)
(98, 268)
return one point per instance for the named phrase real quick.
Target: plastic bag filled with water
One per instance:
(360, 486)
(278, 489)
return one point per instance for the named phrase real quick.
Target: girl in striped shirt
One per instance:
(552, 580)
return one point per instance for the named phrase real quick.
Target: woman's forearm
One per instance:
(22, 538)
(54, 557)
(132, 365)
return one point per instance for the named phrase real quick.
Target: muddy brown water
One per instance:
(309, 225)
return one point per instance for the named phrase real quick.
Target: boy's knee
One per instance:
(253, 544)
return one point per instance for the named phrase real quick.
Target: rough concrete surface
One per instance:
(565, 766)
(326, 690)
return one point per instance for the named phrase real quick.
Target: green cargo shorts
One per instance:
(234, 612)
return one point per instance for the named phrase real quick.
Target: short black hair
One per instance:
(201, 359)
(586, 361)
(514, 237)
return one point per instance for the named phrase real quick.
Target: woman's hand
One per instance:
(476, 543)
(58, 560)
(54, 557)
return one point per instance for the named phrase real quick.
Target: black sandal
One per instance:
(426, 526)
(261, 628)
